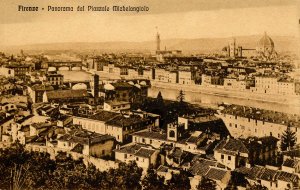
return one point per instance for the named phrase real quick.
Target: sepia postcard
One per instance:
(150, 94)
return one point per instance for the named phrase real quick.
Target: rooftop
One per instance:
(144, 152)
(291, 163)
(152, 135)
(137, 150)
(261, 172)
(231, 146)
(200, 166)
(116, 103)
(216, 173)
(261, 114)
(125, 121)
(65, 94)
(85, 138)
(41, 87)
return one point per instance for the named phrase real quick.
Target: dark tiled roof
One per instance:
(78, 148)
(263, 115)
(66, 94)
(144, 152)
(288, 177)
(162, 168)
(132, 149)
(24, 119)
(85, 138)
(260, 172)
(41, 87)
(137, 150)
(216, 173)
(102, 116)
(121, 121)
(42, 125)
(25, 128)
(192, 139)
(293, 153)
(122, 85)
(200, 166)
(116, 103)
(152, 135)
(268, 174)
(231, 145)
(290, 163)
(6, 119)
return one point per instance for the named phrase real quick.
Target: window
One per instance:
(172, 133)
(143, 140)
(222, 156)
(125, 156)
(103, 152)
(137, 158)
(235, 125)
(150, 141)
(229, 157)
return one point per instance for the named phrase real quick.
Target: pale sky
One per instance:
(180, 19)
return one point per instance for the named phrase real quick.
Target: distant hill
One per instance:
(201, 45)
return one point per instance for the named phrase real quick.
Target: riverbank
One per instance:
(281, 99)
(207, 98)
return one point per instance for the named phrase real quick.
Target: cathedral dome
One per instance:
(266, 43)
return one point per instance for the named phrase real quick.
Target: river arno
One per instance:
(209, 100)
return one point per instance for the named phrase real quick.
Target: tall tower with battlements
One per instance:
(157, 42)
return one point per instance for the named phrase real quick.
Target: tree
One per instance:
(207, 184)
(21, 169)
(179, 181)
(153, 182)
(126, 176)
(181, 96)
(159, 98)
(257, 187)
(288, 139)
